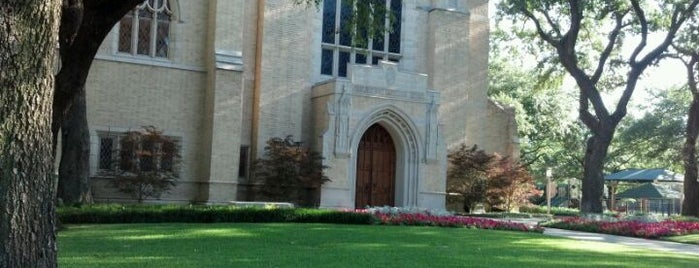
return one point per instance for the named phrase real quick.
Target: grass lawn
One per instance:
(326, 245)
(689, 239)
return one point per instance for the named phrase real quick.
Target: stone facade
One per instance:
(238, 74)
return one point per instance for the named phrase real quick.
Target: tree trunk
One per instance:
(27, 215)
(593, 166)
(690, 204)
(84, 25)
(73, 172)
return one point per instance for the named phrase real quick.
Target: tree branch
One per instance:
(609, 48)
(539, 29)
(550, 21)
(644, 30)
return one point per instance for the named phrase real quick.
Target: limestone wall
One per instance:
(124, 96)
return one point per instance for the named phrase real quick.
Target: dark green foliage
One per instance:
(466, 174)
(290, 173)
(147, 165)
(556, 211)
(508, 215)
(654, 139)
(204, 214)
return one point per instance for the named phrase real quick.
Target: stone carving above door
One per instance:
(387, 76)
(368, 88)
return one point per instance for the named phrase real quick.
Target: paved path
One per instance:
(627, 241)
(622, 240)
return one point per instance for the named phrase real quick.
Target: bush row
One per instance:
(103, 213)
(506, 215)
(556, 211)
(204, 214)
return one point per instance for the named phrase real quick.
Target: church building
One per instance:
(221, 77)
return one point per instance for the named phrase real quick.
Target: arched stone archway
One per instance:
(404, 137)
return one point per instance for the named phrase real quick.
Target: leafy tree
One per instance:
(290, 172)
(466, 175)
(147, 165)
(509, 184)
(586, 37)
(27, 58)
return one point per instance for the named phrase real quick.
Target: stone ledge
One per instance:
(252, 204)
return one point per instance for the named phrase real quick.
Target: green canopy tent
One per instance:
(654, 197)
(656, 176)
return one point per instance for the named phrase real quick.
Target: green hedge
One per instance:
(204, 214)
(506, 215)
(556, 211)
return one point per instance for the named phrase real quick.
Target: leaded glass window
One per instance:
(117, 153)
(338, 50)
(145, 30)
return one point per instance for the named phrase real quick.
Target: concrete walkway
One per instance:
(622, 240)
(627, 241)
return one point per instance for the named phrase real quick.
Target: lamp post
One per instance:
(548, 191)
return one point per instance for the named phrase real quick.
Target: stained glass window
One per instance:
(337, 50)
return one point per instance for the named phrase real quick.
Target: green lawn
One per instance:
(326, 245)
(689, 239)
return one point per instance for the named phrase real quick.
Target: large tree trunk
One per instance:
(690, 204)
(593, 166)
(27, 215)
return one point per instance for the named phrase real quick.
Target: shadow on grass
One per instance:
(322, 245)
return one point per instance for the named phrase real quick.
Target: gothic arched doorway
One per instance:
(376, 169)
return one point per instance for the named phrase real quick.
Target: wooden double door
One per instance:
(376, 169)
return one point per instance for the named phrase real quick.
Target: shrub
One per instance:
(474, 176)
(290, 173)
(557, 211)
(466, 175)
(509, 184)
(147, 164)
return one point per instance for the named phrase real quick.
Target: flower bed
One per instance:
(627, 228)
(416, 217)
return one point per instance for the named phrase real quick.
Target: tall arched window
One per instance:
(145, 30)
(338, 49)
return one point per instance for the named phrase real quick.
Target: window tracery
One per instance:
(145, 30)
